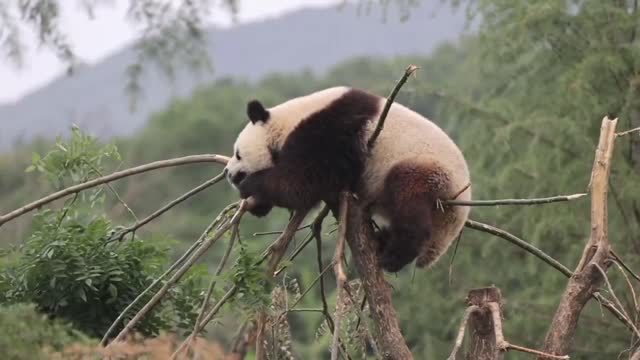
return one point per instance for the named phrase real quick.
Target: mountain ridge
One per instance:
(95, 98)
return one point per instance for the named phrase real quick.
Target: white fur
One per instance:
(254, 140)
(408, 135)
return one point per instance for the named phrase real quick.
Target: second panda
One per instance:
(309, 149)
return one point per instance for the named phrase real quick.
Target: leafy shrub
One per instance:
(69, 267)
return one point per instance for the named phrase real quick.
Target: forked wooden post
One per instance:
(586, 278)
(482, 344)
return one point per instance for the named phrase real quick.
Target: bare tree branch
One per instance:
(174, 266)
(586, 279)
(192, 159)
(205, 302)
(504, 345)
(276, 252)
(551, 261)
(383, 115)
(628, 132)
(513, 201)
(140, 223)
(520, 243)
(461, 331)
(183, 269)
(341, 276)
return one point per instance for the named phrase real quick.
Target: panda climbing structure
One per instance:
(311, 148)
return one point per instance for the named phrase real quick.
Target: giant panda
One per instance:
(310, 148)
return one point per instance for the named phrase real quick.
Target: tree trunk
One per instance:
(587, 276)
(482, 339)
(388, 336)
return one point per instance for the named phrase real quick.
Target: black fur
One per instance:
(323, 156)
(257, 112)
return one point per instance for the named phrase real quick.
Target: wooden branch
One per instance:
(538, 201)
(461, 331)
(549, 260)
(341, 276)
(383, 115)
(520, 243)
(140, 223)
(586, 278)
(624, 265)
(173, 266)
(630, 285)
(276, 252)
(183, 269)
(503, 345)
(317, 234)
(628, 132)
(112, 177)
(205, 302)
(387, 333)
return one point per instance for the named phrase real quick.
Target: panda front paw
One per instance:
(392, 255)
(382, 238)
(260, 209)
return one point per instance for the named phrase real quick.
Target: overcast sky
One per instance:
(94, 39)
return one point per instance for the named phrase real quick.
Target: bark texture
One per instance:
(388, 336)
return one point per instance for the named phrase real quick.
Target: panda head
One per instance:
(251, 151)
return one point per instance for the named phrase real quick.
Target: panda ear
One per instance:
(257, 112)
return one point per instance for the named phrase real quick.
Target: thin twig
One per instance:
(341, 276)
(614, 310)
(173, 266)
(513, 201)
(383, 115)
(214, 310)
(619, 260)
(613, 294)
(627, 132)
(275, 232)
(461, 331)
(316, 229)
(192, 159)
(140, 223)
(536, 352)
(360, 314)
(205, 302)
(520, 243)
(183, 269)
(115, 193)
(276, 251)
(629, 284)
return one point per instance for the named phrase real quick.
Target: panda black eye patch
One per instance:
(238, 155)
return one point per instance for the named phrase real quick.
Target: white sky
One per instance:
(109, 31)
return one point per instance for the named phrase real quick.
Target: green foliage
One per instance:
(28, 334)
(75, 160)
(524, 99)
(70, 270)
(248, 275)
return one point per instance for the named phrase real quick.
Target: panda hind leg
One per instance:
(409, 203)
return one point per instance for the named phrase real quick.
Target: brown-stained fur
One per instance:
(322, 156)
(409, 199)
